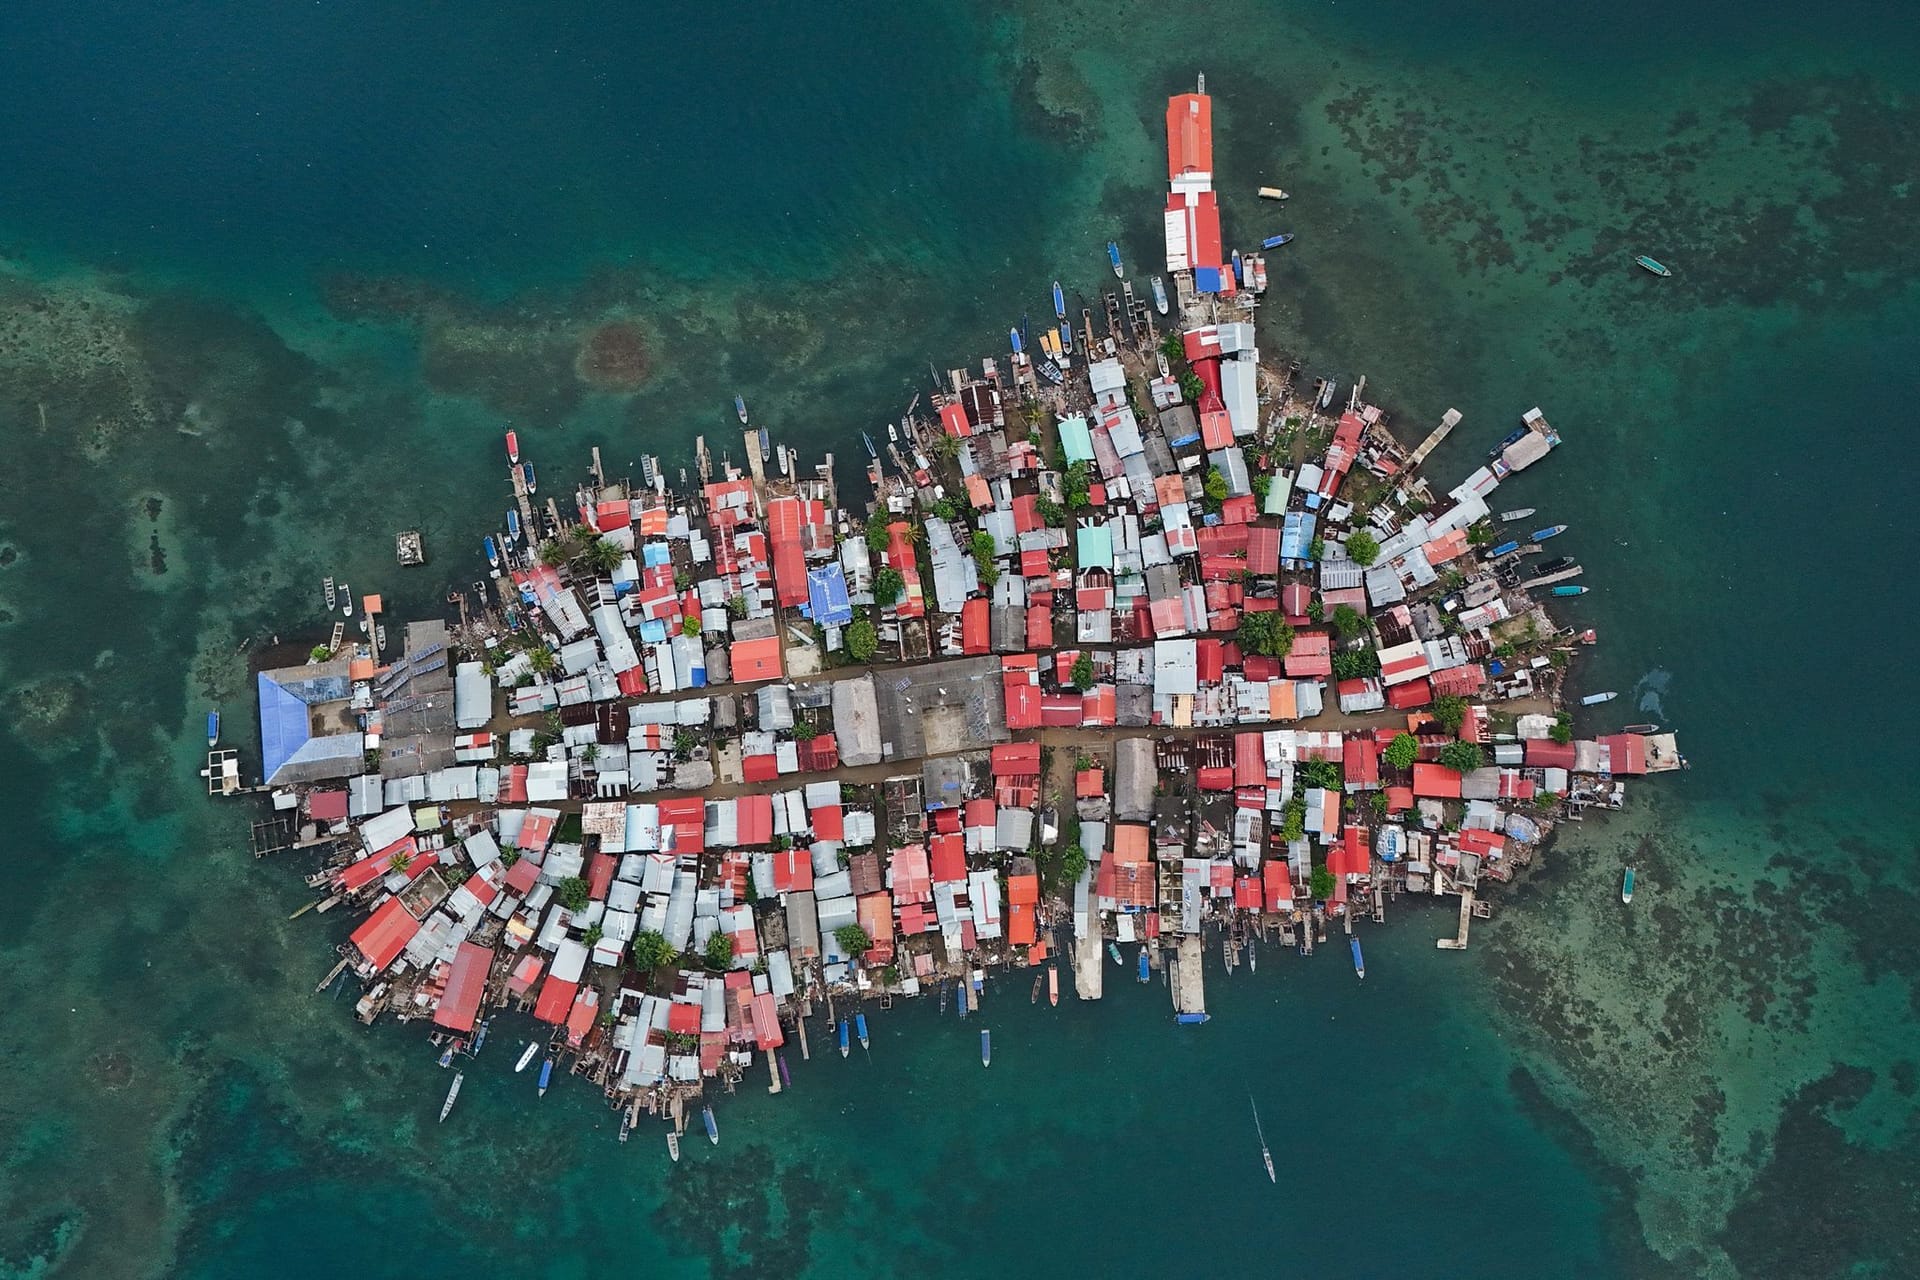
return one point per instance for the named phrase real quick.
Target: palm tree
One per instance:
(602, 556)
(540, 659)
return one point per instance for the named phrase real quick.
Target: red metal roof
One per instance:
(753, 820)
(1016, 759)
(1361, 762)
(1414, 693)
(948, 858)
(973, 626)
(523, 874)
(756, 659)
(1436, 781)
(556, 998)
(1545, 753)
(1189, 134)
(466, 983)
(385, 933)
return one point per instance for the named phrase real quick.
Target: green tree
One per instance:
(1073, 863)
(555, 552)
(1317, 549)
(540, 659)
(887, 586)
(862, 639)
(1449, 711)
(593, 935)
(1464, 756)
(853, 939)
(1355, 664)
(1293, 819)
(1173, 347)
(574, 893)
(1348, 621)
(1402, 751)
(320, 653)
(1191, 386)
(1078, 483)
(1363, 547)
(651, 949)
(1261, 485)
(690, 625)
(877, 537)
(1052, 514)
(737, 606)
(1321, 773)
(1379, 803)
(1561, 733)
(1321, 884)
(1480, 534)
(719, 950)
(804, 731)
(946, 509)
(1265, 633)
(602, 555)
(1316, 610)
(1083, 672)
(1215, 485)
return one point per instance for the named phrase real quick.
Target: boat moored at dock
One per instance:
(526, 473)
(1146, 967)
(1569, 590)
(1359, 961)
(1059, 302)
(673, 1147)
(527, 1055)
(546, 1076)
(1160, 295)
(845, 1031)
(493, 552)
(860, 1029)
(513, 446)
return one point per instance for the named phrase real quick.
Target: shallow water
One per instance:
(275, 282)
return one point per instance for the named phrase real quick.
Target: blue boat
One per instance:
(1013, 336)
(766, 445)
(786, 1081)
(1552, 530)
(713, 1126)
(846, 1043)
(1274, 242)
(1066, 337)
(1059, 301)
(513, 525)
(1146, 970)
(860, 1028)
(1569, 591)
(1113, 949)
(1359, 963)
(1504, 548)
(1191, 1019)
(493, 552)
(213, 726)
(961, 991)
(1113, 256)
(546, 1074)
(986, 1047)
(526, 471)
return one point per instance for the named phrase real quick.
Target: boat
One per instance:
(1551, 531)
(1265, 1155)
(1274, 242)
(1595, 699)
(1191, 1019)
(961, 992)
(546, 1075)
(1059, 302)
(1272, 193)
(346, 600)
(493, 552)
(786, 1080)
(1652, 265)
(1626, 886)
(860, 1029)
(1146, 967)
(527, 1055)
(740, 407)
(713, 1126)
(1253, 957)
(871, 451)
(986, 1047)
(1051, 372)
(1503, 549)
(1160, 295)
(1518, 513)
(1239, 269)
(1554, 565)
(673, 1147)
(1013, 336)
(513, 526)
(1053, 986)
(1326, 392)
(1113, 949)
(480, 1039)
(453, 1092)
(446, 1054)
(333, 594)
(1066, 337)
(846, 1041)
(1359, 961)
(1640, 728)
(1033, 997)
(513, 446)
(1568, 591)
(766, 446)
(526, 473)
(213, 727)
(1113, 256)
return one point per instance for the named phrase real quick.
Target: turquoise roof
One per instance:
(1095, 547)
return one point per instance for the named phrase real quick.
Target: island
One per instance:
(1133, 646)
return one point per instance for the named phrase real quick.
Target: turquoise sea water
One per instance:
(273, 279)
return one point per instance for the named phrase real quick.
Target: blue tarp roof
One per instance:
(1296, 535)
(827, 602)
(1206, 279)
(284, 726)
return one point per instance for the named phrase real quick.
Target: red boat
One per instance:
(513, 447)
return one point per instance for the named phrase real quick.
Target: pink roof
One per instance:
(466, 983)
(911, 880)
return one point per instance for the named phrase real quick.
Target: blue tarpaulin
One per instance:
(827, 602)
(1207, 280)
(284, 726)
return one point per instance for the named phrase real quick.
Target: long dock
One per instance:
(1459, 942)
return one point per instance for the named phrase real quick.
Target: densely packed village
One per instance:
(1139, 643)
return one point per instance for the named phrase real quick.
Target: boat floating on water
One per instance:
(513, 526)
(1569, 591)
(513, 446)
(1272, 193)
(493, 552)
(213, 727)
(1013, 336)
(1551, 531)
(1595, 699)
(546, 1075)
(1265, 1155)
(526, 473)
(860, 1029)
(527, 1055)
(1146, 969)
(986, 1047)
(1160, 295)
(1653, 266)
(1053, 985)
(673, 1147)
(1274, 242)
(1518, 513)
(1359, 961)
(846, 1038)
(1626, 886)
(713, 1126)
(1113, 256)
(1059, 302)
(740, 407)
(1113, 949)
(459, 1078)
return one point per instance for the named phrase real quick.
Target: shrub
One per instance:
(1083, 672)
(1449, 711)
(887, 586)
(1464, 756)
(877, 538)
(573, 893)
(690, 625)
(719, 950)
(1402, 751)
(1363, 547)
(862, 639)
(853, 939)
(1348, 621)
(1321, 884)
